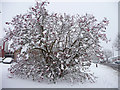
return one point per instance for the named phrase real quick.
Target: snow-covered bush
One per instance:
(55, 46)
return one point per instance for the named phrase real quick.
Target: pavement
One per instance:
(114, 66)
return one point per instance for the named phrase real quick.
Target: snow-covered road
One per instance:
(107, 78)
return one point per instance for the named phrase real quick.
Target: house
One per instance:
(3, 48)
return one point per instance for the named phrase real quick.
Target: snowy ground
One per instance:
(107, 78)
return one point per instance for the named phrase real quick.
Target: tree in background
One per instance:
(55, 46)
(107, 54)
(116, 44)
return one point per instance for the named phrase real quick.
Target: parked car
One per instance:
(102, 61)
(7, 60)
(114, 59)
(9, 54)
(116, 62)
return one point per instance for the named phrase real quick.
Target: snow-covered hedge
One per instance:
(54, 46)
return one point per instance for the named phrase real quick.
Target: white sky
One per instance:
(100, 9)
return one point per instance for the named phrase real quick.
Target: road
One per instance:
(114, 66)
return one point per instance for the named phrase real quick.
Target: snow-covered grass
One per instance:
(106, 78)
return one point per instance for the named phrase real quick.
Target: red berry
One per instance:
(53, 33)
(7, 23)
(88, 30)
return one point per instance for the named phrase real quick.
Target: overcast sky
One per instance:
(98, 9)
